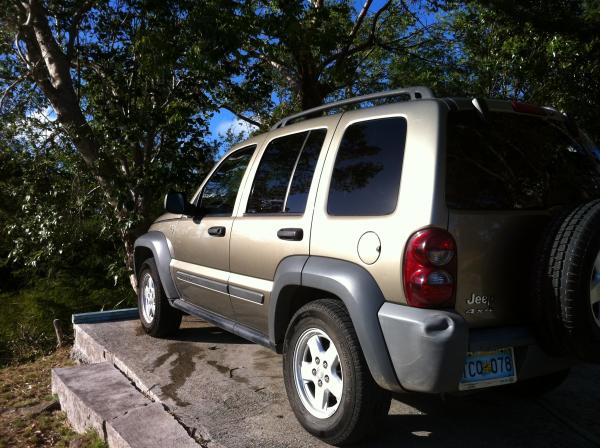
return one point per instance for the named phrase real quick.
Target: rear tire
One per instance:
(340, 403)
(157, 316)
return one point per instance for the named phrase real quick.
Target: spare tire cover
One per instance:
(566, 289)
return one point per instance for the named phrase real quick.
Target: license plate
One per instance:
(486, 369)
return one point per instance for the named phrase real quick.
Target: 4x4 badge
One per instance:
(483, 304)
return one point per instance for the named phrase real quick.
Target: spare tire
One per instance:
(566, 290)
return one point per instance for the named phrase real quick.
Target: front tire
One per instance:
(327, 380)
(157, 316)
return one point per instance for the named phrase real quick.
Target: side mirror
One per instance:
(177, 203)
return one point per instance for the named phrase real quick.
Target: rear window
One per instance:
(516, 162)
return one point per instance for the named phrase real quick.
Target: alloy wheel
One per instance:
(318, 373)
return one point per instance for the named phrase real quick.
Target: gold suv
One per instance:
(415, 244)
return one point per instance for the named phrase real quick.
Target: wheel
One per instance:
(328, 383)
(536, 387)
(567, 287)
(158, 318)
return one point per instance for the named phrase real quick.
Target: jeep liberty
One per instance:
(417, 243)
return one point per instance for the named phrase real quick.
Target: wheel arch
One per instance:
(155, 245)
(302, 279)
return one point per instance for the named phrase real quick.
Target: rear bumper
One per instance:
(428, 347)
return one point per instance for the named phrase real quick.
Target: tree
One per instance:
(545, 52)
(130, 87)
(302, 53)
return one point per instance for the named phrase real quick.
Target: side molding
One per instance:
(360, 294)
(157, 243)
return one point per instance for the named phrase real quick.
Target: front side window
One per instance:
(366, 174)
(285, 173)
(219, 193)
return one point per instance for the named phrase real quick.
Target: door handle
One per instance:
(290, 234)
(216, 231)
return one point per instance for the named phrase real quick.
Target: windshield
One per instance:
(512, 161)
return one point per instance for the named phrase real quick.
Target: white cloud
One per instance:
(237, 126)
(44, 116)
(38, 125)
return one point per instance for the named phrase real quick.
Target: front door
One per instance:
(200, 263)
(275, 214)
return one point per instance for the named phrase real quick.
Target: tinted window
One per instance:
(366, 175)
(515, 162)
(303, 174)
(273, 174)
(219, 193)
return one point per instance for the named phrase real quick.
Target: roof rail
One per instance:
(415, 93)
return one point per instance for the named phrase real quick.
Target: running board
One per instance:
(226, 324)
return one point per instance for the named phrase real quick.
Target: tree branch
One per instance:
(348, 50)
(73, 29)
(360, 19)
(11, 86)
(277, 65)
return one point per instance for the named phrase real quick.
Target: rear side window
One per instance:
(285, 173)
(515, 162)
(368, 167)
(219, 192)
(303, 174)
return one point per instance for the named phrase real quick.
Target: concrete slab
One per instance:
(231, 392)
(93, 394)
(100, 397)
(147, 427)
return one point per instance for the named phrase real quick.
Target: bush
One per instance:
(26, 315)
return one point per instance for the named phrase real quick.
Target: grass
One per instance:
(29, 415)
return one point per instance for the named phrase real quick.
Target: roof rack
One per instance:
(415, 93)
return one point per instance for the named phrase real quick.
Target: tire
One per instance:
(353, 404)
(541, 385)
(161, 319)
(566, 303)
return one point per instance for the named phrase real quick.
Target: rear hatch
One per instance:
(507, 174)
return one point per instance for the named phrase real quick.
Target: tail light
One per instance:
(430, 269)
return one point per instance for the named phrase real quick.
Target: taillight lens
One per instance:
(430, 269)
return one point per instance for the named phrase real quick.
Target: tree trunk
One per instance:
(311, 93)
(129, 240)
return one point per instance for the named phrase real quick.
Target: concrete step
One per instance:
(100, 397)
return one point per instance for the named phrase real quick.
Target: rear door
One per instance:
(274, 220)
(506, 176)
